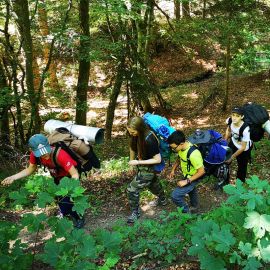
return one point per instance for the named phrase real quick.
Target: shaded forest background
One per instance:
(100, 62)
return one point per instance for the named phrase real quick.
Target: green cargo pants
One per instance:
(145, 178)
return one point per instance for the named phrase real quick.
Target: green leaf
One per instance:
(78, 192)
(246, 248)
(264, 247)
(61, 227)
(88, 248)
(51, 253)
(62, 192)
(209, 262)
(20, 197)
(80, 204)
(34, 223)
(235, 258)
(224, 239)
(259, 223)
(43, 199)
(252, 264)
(109, 263)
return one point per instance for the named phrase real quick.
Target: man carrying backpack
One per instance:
(238, 135)
(65, 167)
(192, 171)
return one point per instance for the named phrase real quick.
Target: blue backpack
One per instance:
(162, 129)
(213, 148)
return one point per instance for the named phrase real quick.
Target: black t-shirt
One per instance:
(151, 146)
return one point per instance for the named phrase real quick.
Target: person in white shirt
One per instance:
(238, 136)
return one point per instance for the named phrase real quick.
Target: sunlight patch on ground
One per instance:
(191, 95)
(203, 121)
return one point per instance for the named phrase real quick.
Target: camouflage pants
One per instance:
(144, 179)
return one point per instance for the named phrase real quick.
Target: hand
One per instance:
(7, 181)
(171, 175)
(182, 183)
(228, 161)
(133, 162)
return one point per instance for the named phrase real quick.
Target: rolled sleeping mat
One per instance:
(90, 134)
(266, 126)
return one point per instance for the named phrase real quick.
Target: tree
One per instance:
(84, 64)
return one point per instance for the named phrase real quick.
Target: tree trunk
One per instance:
(22, 11)
(227, 89)
(4, 107)
(186, 9)
(113, 98)
(204, 9)
(84, 64)
(177, 9)
(149, 26)
(45, 32)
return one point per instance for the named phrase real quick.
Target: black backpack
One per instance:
(254, 116)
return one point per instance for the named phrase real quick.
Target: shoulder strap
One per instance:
(241, 130)
(55, 153)
(190, 151)
(151, 132)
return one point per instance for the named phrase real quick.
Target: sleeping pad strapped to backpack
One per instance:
(81, 152)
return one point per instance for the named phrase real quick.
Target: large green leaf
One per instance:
(43, 199)
(264, 247)
(210, 262)
(88, 248)
(80, 204)
(20, 197)
(33, 222)
(224, 239)
(259, 223)
(252, 264)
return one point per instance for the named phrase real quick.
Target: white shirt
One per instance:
(245, 138)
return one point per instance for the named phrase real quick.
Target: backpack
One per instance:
(254, 116)
(213, 148)
(162, 129)
(78, 150)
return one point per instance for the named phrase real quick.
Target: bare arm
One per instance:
(200, 172)
(238, 152)
(228, 134)
(24, 173)
(174, 167)
(73, 173)
(156, 159)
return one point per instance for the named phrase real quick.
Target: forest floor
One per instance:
(191, 108)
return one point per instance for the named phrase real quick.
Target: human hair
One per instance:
(137, 143)
(176, 137)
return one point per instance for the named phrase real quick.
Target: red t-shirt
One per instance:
(64, 162)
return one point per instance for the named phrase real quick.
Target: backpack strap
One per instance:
(190, 151)
(241, 130)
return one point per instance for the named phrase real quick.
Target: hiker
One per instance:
(145, 154)
(41, 151)
(192, 171)
(241, 145)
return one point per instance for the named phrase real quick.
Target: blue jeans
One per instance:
(178, 196)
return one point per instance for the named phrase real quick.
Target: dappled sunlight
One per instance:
(191, 95)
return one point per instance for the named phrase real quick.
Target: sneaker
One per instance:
(158, 202)
(79, 223)
(135, 215)
(59, 214)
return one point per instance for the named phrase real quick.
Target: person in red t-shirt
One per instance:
(42, 150)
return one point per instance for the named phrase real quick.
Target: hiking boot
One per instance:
(135, 215)
(158, 202)
(79, 223)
